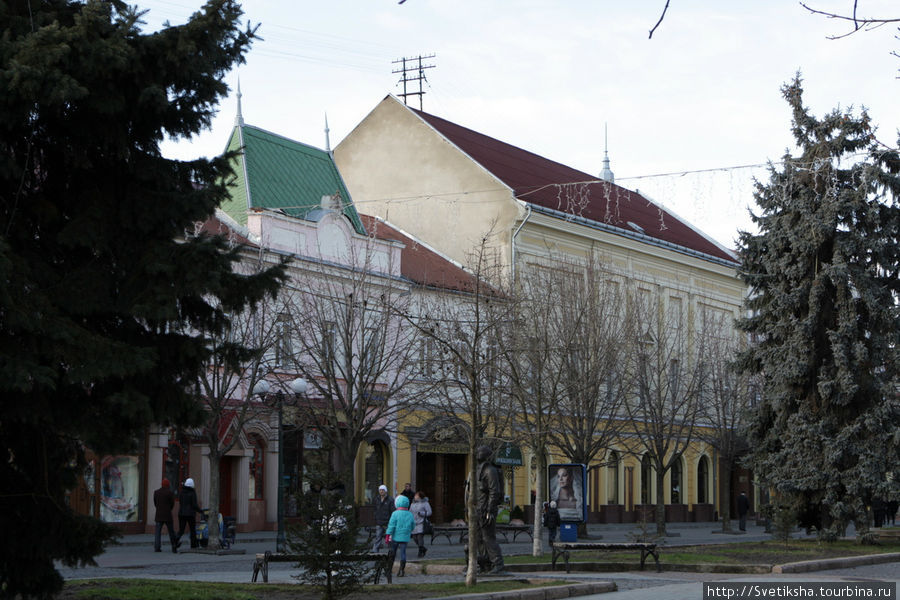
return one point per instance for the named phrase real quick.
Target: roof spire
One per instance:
(606, 174)
(239, 118)
(327, 139)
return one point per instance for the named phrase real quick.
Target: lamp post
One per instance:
(298, 387)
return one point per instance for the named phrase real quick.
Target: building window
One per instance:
(283, 349)
(675, 480)
(427, 359)
(612, 478)
(257, 467)
(702, 480)
(375, 453)
(646, 476)
(329, 336)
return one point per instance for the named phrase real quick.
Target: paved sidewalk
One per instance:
(135, 558)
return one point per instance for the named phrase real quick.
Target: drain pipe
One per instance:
(516, 233)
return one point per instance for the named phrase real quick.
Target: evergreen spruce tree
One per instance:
(327, 536)
(823, 305)
(98, 257)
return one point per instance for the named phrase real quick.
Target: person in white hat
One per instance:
(384, 506)
(187, 512)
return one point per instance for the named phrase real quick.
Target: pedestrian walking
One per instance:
(421, 510)
(743, 506)
(187, 511)
(552, 521)
(384, 506)
(399, 530)
(164, 501)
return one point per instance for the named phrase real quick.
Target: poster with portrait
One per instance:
(568, 491)
(120, 484)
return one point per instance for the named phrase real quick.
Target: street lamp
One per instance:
(298, 387)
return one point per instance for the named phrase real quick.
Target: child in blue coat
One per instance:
(399, 530)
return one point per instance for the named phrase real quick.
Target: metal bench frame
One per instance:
(504, 530)
(383, 563)
(563, 549)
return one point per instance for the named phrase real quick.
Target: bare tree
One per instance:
(726, 397)
(237, 362)
(463, 334)
(590, 409)
(533, 353)
(664, 380)
(341, 330)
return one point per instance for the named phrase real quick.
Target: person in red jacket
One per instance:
(164, 501)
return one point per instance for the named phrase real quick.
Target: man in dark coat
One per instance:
(187, 511)
(164, 501)
(408, 492)
(743, 506)
(488, 501)
(384, 506)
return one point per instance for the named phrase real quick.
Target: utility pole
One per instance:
(412, 65)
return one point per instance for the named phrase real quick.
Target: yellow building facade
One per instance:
(451, 187)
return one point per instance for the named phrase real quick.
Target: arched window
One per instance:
(675, 481)
(375, 453)
(612, 478)
(646, 475)
(702, 480)
(257, 466)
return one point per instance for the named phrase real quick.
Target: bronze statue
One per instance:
(487, 501)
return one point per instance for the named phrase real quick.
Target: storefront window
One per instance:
(120, 488)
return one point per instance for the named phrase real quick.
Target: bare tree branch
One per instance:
(661, 17)
(858, 23)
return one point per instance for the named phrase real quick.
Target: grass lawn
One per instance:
(155, 589)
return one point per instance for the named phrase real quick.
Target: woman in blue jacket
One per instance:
(399, 530)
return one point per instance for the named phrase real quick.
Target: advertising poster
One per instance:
(568, 491)
(120, 483)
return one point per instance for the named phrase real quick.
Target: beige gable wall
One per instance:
(398, 168)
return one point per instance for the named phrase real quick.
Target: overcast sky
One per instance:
(702, 96)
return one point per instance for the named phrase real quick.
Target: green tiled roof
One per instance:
(283, 174)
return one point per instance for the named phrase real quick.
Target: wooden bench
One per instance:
(383, 563)
(504, 530)
(563, 549)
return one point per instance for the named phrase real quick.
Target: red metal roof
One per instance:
(215, 226)
(555, 186)
(419, 263)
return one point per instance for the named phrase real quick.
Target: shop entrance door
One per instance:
(226, 486)
(443, 479)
